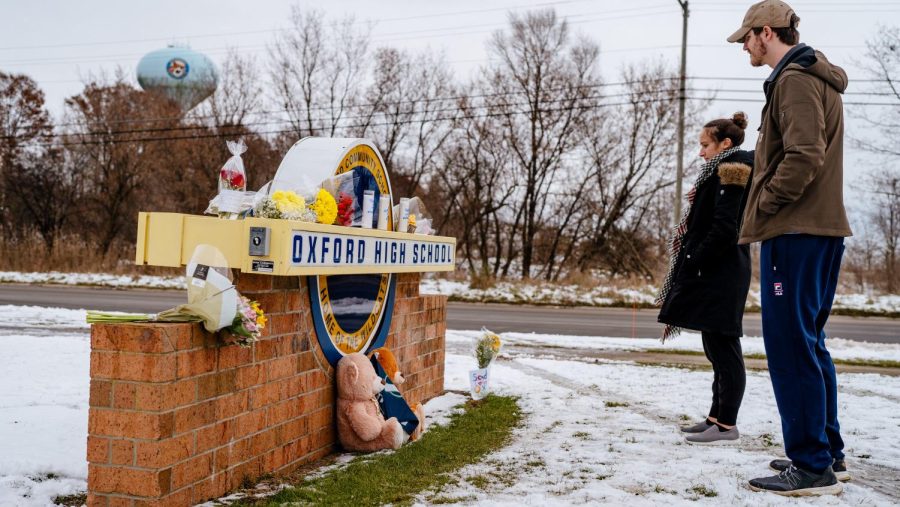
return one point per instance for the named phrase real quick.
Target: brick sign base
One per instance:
(176, 418)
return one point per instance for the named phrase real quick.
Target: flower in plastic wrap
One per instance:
(232, 175)
(324, 207)
(212, 300)
(267, 209)
(248, 323)
(487, 347)
(344, 210)
(291, 206)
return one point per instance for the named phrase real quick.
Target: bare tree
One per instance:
(118, 160)
(884, 205)
(539, 87)
(632, 159)
(317, 71)
(23, 124)
(882, 61)
(239, 93)
(390, 104)
(47, 189)
(409, 112)
(475, 183)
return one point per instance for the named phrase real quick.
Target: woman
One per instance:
(709, 273)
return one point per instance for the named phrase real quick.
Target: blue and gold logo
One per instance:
(177, 68)
(352, 313)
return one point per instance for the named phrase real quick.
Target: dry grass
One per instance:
(72, 254)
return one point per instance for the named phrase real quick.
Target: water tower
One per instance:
(183, 75)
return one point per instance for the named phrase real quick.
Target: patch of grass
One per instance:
(479, 481)
(395, 477)
(441, 500)
(768, 440)
(535, 463)
(702, 490)
(614, 404)
(76, 500)
(582, 435)
(660, 489)
(43, 477)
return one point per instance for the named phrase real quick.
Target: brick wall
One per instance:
(176, 419)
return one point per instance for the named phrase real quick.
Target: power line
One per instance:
(275, 30)
(394, 122)
(408, 122)
(440, 99)
(413, 34)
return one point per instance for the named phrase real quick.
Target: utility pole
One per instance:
(681, 99)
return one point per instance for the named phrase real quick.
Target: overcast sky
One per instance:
(59, 42)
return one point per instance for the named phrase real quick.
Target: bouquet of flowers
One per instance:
(487, 347)
(248, 323)
(289, 205)
(285, 204)
(419, 219)
(232, 183)
(212, 300)
(232, 176)
(324, 207)
(344, 210)
(343, 187)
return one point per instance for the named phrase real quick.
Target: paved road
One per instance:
(500, 318)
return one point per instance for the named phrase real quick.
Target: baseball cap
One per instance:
(771, 13)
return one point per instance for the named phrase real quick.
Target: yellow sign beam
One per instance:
(290, 248)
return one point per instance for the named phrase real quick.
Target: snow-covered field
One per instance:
(595, 431)
(503, 292)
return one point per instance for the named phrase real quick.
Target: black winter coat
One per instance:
(712, 272)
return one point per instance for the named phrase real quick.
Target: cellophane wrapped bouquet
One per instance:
(232, 199)
(212, 300)
(290, 205)
(487, 348)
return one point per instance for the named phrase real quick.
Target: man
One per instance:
(795, 208)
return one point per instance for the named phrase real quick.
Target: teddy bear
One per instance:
(360, 425)
(392, 402)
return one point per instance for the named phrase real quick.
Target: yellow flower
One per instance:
(261, 321)
(325, 207)
(288, 201)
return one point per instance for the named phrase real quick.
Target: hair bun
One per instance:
(740, 119)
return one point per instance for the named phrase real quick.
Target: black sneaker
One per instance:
(794, 481)
(839, 467)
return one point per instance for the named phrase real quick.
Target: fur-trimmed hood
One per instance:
(734, 173)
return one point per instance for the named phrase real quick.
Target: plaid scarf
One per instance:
(706, 171)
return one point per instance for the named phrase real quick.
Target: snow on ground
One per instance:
(839, 348)
(98, 279)
(607, 433)
(43, 409)
(595, 431)
(606, 295)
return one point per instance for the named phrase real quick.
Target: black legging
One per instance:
(729, 376)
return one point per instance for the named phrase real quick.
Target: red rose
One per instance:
(237, 180)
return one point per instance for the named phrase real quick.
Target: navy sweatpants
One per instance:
(798, 277)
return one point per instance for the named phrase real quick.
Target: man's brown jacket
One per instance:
(797, 182)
